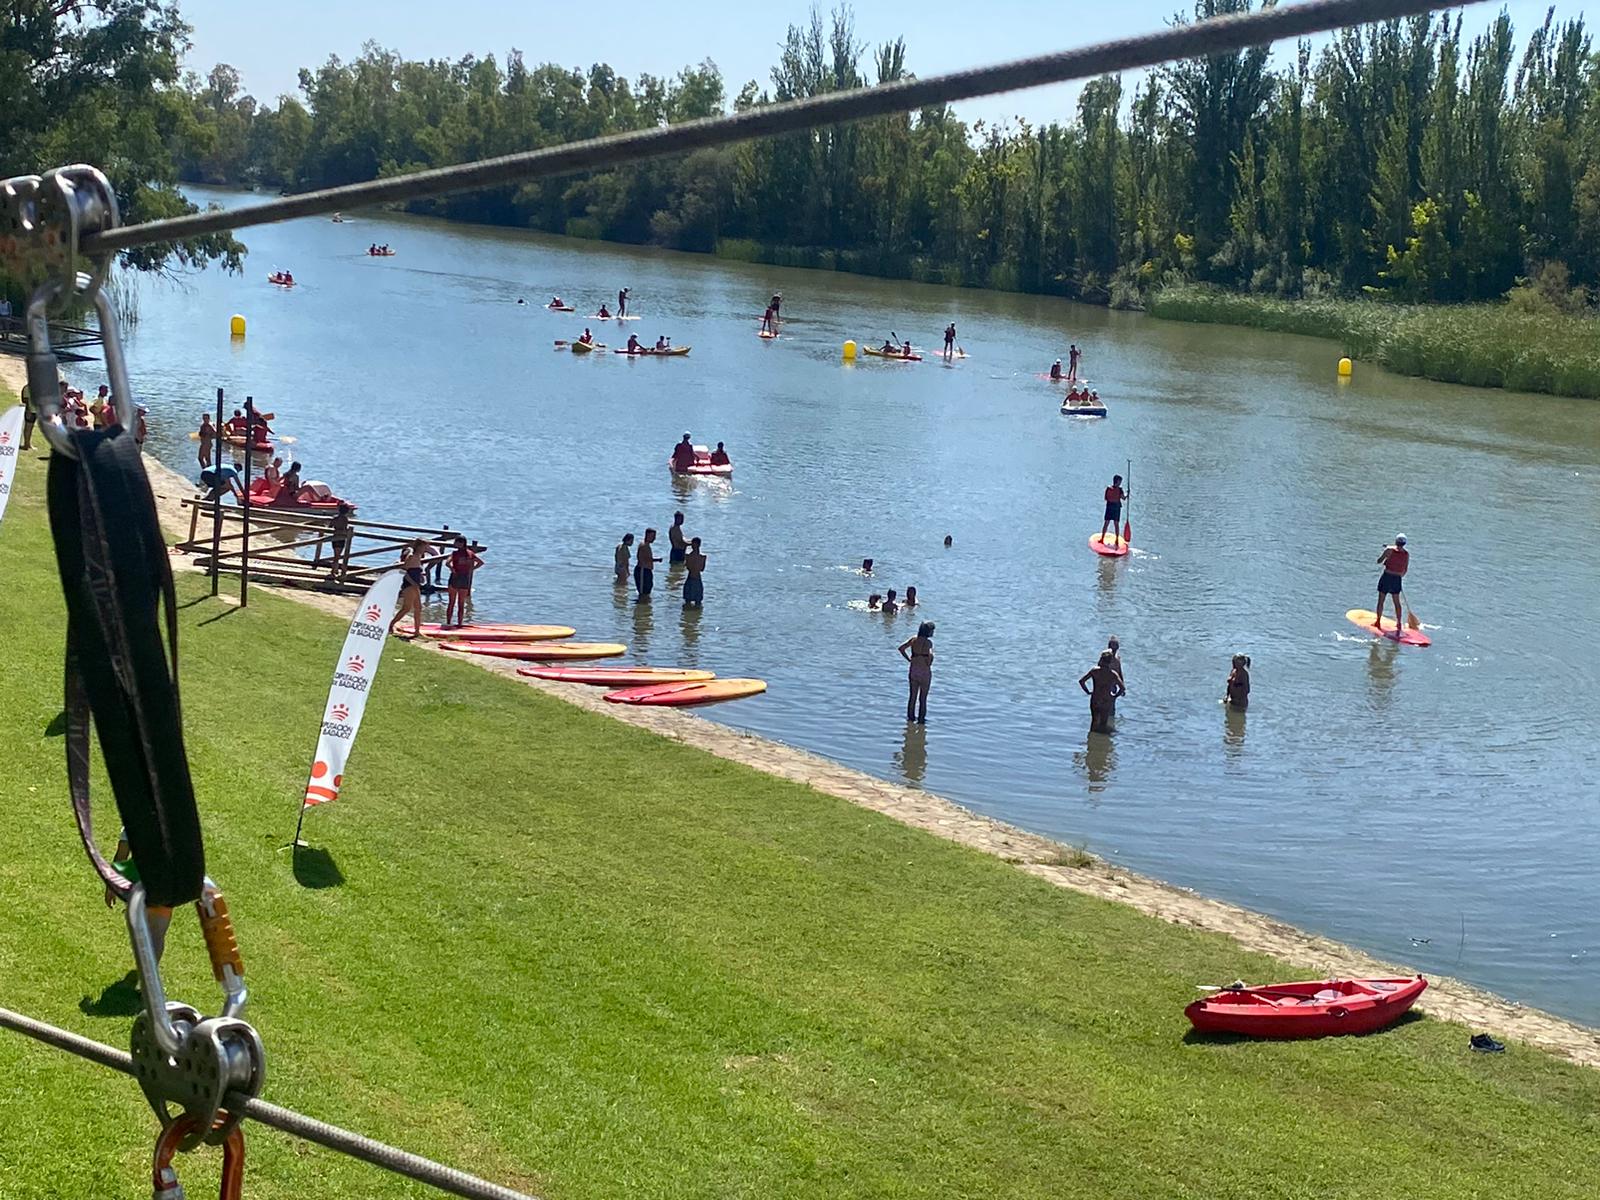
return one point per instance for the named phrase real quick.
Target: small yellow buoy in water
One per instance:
(1345, 367)
(849, 352)
(236, 325)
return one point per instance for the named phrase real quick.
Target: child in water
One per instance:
(890, 604)
(1238, 693)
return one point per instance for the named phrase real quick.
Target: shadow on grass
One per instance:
(1195, 1038)
(315, 868)
(119, 999)
(225, 612)
(57, 726)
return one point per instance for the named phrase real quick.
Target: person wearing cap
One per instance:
(1055, 371)
(1394, 560)
(682, 455)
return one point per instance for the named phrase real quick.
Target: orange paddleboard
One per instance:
(1368, 620)
(680, 694)
(1112, 546)
(497, 633)
(539, 651)
(617, 677)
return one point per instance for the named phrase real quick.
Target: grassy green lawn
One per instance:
(575, 957)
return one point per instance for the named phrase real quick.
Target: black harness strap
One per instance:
(115, 575)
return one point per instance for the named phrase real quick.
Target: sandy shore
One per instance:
(1045, 859)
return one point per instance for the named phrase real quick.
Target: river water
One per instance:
(1437, 806)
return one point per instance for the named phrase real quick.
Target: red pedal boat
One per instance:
(1319, 1008)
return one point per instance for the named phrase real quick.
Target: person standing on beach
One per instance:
(463, 562)
(1395, 560)
(694, 586)
(675, 540)
(411, 562)
(644, 569)
(1103, 697)
(624, 557)
(918, 651)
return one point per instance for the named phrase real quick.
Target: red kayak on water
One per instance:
(1318, 1008)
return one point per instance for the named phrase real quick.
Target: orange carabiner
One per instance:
(164, 1177)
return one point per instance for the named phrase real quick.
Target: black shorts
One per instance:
(414, 577)
(460, 580)
(1389, 584)
(1114, 510)
(676, 554)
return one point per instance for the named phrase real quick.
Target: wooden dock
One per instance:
(292, 547)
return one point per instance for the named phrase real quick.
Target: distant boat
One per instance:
(338, 218)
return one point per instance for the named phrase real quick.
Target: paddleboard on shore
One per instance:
(678, 695)
(1368, 620)
(539, 651)
(1111, 547)
(497, 633)
(617, 677)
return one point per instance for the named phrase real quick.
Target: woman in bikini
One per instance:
(411, 587)
(1107, 687)
(918, 651)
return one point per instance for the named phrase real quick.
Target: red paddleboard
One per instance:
(617, 677)
(1111, 547)
(1368, 620)
(764, 334)
(680, 694)
(497, 633)
(539, 651)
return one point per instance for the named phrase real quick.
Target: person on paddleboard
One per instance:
(1074, 356)
(769, 320)
(1103, 696)
(949, 339)
(677, 544)
(1237, 694)
(683, 455)
(776, 304)
(1115, 495)
(1395, 560)
(1055, 371)
(603, 314)
(623, 556)
(622, 302)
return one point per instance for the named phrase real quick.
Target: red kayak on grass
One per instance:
(1318, 1008)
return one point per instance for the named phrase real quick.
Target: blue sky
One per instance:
(268, 43)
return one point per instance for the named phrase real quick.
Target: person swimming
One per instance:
(890, 604)
(910, 600)
(866, 566)
(874, 601)
(1237, 694)
(949, 541)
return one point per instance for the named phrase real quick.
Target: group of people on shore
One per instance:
(80, 412)
(682, 551)
(462, 563)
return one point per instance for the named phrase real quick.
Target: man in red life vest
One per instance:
(1394, 560)
(1114, 498)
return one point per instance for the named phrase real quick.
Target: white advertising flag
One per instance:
(352, 680)
(10, 447)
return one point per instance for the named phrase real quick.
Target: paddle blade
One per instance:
(1127, 532)
(1411, 620)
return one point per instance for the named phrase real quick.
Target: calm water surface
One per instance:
(1376, 793)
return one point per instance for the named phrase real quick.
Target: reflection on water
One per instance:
(911, 760)
(1233, 730)
(1096, 760)
(1256, 493)
(1381, 673)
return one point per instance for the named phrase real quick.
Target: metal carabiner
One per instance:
(180, 1057)
(164, 1177)
(47, 217)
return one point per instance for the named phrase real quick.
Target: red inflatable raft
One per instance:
(1319, 1008)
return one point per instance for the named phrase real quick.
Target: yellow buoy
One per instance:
(1345, 367)
(236, 325)
(849, 352)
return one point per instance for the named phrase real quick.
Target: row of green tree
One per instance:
(1400, 158)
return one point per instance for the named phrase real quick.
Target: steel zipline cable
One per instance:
(424, 1170)
(1215, 36)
